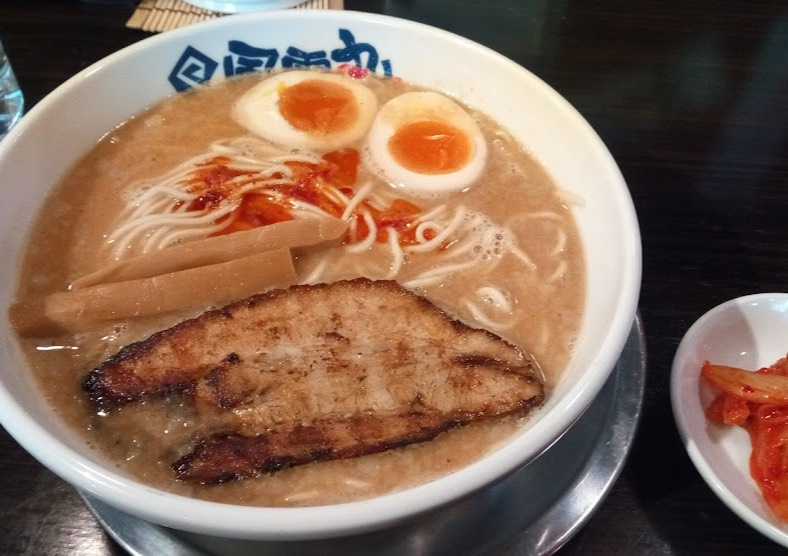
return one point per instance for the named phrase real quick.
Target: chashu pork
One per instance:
(320, 372)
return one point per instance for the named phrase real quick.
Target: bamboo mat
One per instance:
(155, 16)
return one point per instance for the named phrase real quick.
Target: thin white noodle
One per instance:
(560, 243)
(307, 207)
(423, 227)
(368, 241)
(124, 236)
(163, 200)
(240, 161)
(257, 148)
(224, 146)
(557, 273)
(180, 235)
(336, 196)
(543, 339)
(176, 175)
(496, 297)
(484, 320)
(436, 274)
(221, 148)
(262, 170)
(183, 207)
(153, 239)
(435, 242)
(151, 206)
(160, 220)
(253, 184)
(339, 195)
(353, 229)
(571, 198)
(155, 218)
(545, 214)
(186, 218)
(377, 200)
(163, 189)
(245, 164)
(433, 213)
(464, 246)
(314, 276)
(523, 256)
(309, 159)
(300, 498)
(360, 195)
(256, 185)
(550, 216)
(397, 256)
(422, 282)
(447, 269)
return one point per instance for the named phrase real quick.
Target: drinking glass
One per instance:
(11, 99)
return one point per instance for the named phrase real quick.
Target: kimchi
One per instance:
(758, 402)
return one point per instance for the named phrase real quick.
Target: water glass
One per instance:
(11, 99)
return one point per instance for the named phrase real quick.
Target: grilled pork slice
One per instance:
(227, 456)
(320, 372)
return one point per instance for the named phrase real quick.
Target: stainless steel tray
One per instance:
(533, 512)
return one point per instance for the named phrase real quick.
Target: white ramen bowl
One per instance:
(70, 120)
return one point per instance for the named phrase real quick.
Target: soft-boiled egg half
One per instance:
(426, 143)
(307, 109)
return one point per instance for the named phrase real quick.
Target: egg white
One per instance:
(423, 106)
(258, 111)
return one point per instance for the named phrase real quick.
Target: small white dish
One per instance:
(748, 332)
(243, 6)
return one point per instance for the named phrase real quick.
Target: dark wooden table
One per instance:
(692, 100)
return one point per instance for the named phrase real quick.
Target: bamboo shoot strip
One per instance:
(210, 285)
(218, 249)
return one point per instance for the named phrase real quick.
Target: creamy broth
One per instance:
(69, 240)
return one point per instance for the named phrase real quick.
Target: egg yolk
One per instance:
(318, 107)
(428, 147)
